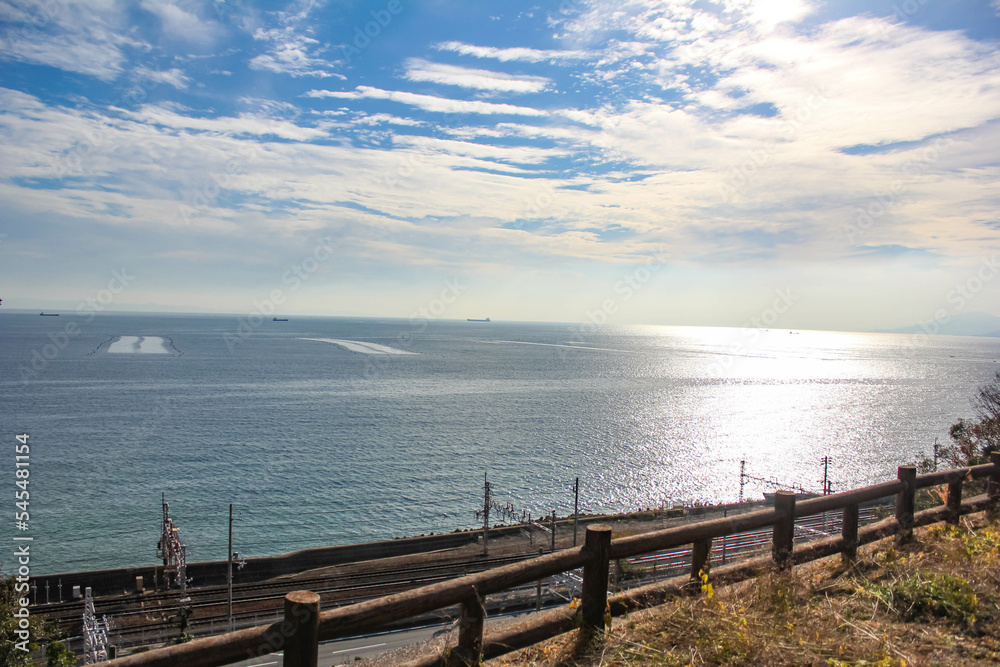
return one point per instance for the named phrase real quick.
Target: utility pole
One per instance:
(486, 516)
(576, 508)
(229, 576)
(827, 485)
(743, 465)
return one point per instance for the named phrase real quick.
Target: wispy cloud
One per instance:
(429, 102)
(173, 77)
(247, 124)
(289, 53)
(74, 37)
(522, 54)
(181, 24)
(418, 69)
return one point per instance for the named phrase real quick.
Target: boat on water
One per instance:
(49, 314)
(275, 319)
(474, 320)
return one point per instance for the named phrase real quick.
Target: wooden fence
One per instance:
(304, 626)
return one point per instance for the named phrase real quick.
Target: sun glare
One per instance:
(773, 12)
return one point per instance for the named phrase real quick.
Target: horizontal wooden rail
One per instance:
(626, 547)
(836, 501)
(373, 614)
(468, 591)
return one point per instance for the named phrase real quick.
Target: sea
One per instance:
(335, 430)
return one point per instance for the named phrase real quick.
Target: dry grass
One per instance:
(935, 601)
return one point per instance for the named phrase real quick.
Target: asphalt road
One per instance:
(345, 651)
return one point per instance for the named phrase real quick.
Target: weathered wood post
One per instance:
(849, 532)
(993, 485)
(699, 558)
(594, 600)
(953, 501)
(783, 534)
(469, 651)
(906, 502)
(302, 621)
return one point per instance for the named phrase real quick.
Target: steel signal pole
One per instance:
(229, 576)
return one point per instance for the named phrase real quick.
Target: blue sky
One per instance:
(658, 162)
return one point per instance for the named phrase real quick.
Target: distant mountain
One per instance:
(961, 324)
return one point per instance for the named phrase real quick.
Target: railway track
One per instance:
(261, 603)
(208, 604)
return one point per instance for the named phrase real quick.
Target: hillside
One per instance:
(932, 602)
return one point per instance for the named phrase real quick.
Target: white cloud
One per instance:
(290, 53)
(418, 69)
(429, 102)
(375, 119)
(181, 24)
(174, 77)
(512, 54)
(75, 37)
(246, 124)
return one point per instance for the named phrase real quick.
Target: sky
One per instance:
(824, 165)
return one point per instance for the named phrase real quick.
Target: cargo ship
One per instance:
(473, 320)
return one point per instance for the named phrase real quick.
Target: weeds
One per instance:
(933, 602)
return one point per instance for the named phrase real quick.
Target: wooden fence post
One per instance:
(594, 602)
(953, 502)
(784, 529)
(993, 485)
(906, 502)
(302, 621)
(699, 558)
(469, 651)
(849, 532)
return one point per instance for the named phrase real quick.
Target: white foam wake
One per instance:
(138, 345)
(573, 346)
(361, 346)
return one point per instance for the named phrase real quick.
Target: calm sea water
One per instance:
(316, 444)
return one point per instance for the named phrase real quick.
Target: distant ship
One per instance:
(275, 319)
(49, 314)
(473, 320)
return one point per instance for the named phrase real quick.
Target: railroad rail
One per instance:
(304, 625)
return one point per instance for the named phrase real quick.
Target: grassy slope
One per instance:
(935, 601)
